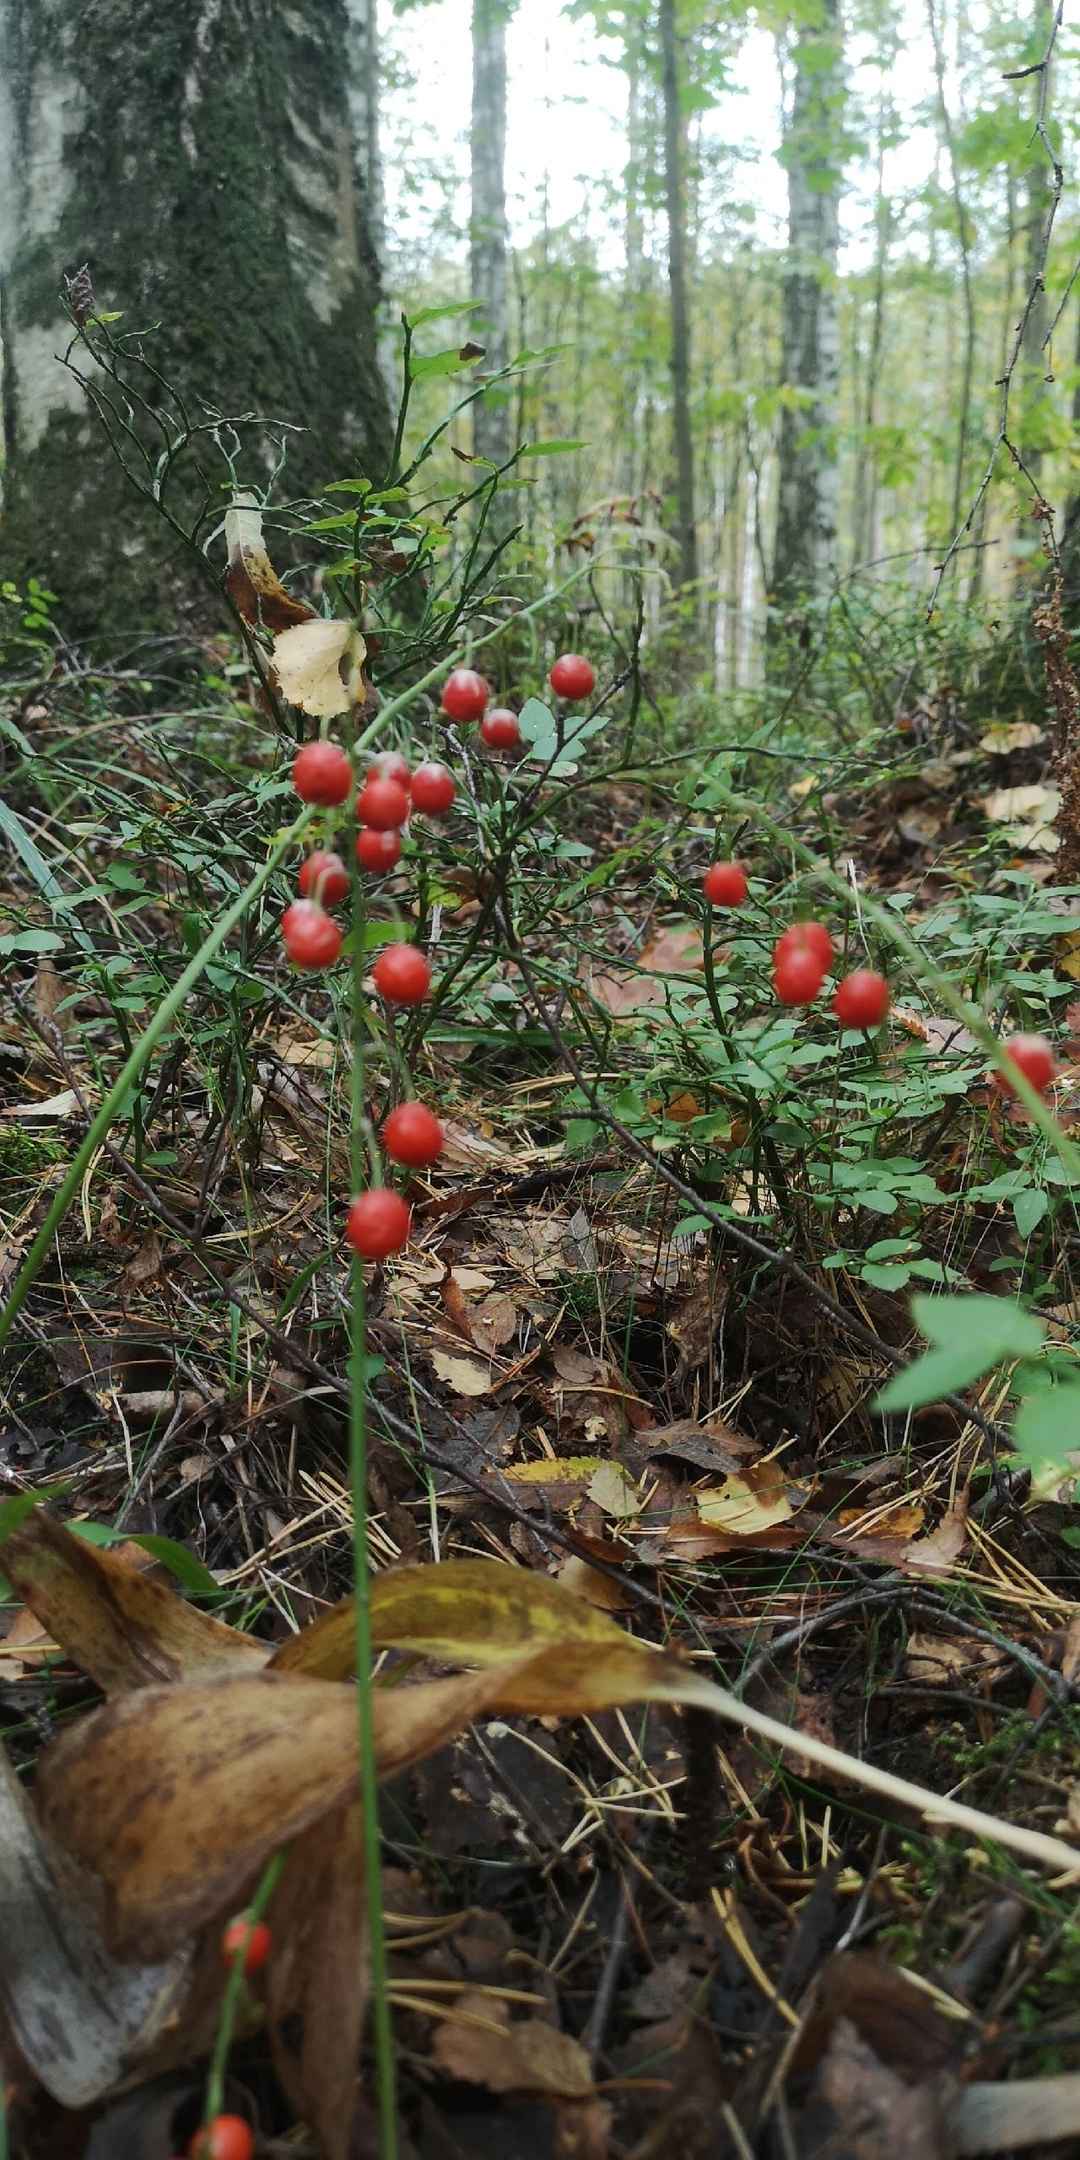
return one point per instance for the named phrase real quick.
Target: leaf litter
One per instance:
(567, 1386)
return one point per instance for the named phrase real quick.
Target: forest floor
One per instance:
(738, 1953)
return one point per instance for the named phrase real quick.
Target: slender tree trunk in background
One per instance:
(1035, 399)
(963, 238)
(488, 236)
(806, 525)
(675, 191)
(199, 159)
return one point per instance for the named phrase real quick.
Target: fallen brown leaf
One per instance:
(122, 1628)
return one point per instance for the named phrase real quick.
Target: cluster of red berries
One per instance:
(379, 1220)
(802, 958)
(465, 698)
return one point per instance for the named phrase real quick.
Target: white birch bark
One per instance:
(808, 491)
(488, 231)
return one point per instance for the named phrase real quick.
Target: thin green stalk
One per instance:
(954, 1000)
(134, 1065)
(234, 1987)
(365, 1658)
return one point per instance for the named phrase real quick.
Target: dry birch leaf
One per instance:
(319, 666)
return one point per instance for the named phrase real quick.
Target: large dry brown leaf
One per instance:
(81, 2020)
(317, 1977)
(174, 1797)
(118, 1626)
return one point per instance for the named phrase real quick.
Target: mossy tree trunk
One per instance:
(202, 160)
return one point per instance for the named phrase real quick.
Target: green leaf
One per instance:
(31, 854)
(1029, 1207)
(552, 449)
(537, 724)
(1046, 1432)
(439, 314)
(691, 1224)
(441, 363)
(970, 1335)
(181, 1563)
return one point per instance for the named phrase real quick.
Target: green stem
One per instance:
(134, 1065)
(234, 1987)
(358, 1468)
(953, 999)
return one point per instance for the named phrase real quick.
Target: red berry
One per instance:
(805, 937)
(465, 695)
(413, 1135)
(1033, 1056)
(377, 851)
(324, 878)
(402, 975)
(322, 773)
(725, 884)
(312, 937)
(797, 977)
(573, 676)
(390, 765)
(433, 788)
(378, 1223)
(862, 999)
(227, 2137)
(241, 1931)
(500, 730)
(384, 804)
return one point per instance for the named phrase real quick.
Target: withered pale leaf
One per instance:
(122, 1629)
(81, 2020)
(463, 1374)
(316, 1981)
(251, 581)
(173, 1797)
(319, 666)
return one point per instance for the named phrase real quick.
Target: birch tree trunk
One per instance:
(675, 192)
(199, 158)
(488, 234)
(1036, 407)
(806, 526)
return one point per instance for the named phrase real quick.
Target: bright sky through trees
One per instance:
(567, 118)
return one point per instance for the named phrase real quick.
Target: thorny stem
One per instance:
(358, 1462)
(230, 2001)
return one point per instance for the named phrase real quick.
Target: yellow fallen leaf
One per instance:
(318, 665)
(748, 1501)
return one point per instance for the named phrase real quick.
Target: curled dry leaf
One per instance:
(120, 1627)
(252, 583)
(174, 1797)
(80, 2019)
(319, 666)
